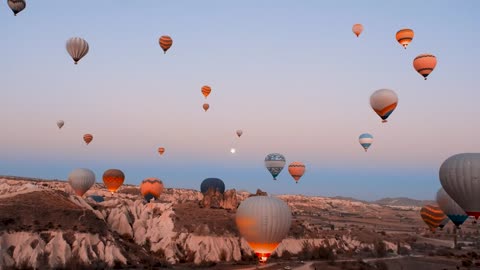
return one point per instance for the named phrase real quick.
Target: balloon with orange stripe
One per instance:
(425, 64)
(206, 90)
(384, 102)
(165, 43)
(296, 170)
(404, 37)
(113, 179)
(357, 29)
(433, 216)
(88, 138)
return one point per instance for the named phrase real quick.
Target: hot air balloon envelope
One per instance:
(212, 183)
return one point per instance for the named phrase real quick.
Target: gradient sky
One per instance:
(291, 74)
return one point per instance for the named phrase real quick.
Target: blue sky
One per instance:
(292, 76)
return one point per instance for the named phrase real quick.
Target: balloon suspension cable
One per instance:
(365, 149)
(164, 52)
(76, 62)
(384, 121)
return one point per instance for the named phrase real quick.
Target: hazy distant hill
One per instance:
(402, 201)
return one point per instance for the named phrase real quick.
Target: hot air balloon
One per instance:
(365, 140)
(424, 64)
(357, 29)
(113, 179)
(77, 48)
(87, 138)
(384, 102)
(404, 37)
(165, 43)
(460, 177)
(264, 222)
(17, 6)
(453, 211)
(239, 133)
(432, 215)
(161, 150)
(206, 106)
(212, 183)
(81, 180)
(275, 163)
(151, 188)
(296, 170)
(206, 90)
(60, 124)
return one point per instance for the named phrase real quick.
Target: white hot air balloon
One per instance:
(274, 163)
(453, 211)
(460, 177)
(60, 123)
(384, 102)
(81, 180)
(264, 222)
(77, 48)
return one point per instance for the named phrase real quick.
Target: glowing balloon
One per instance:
(384, 102)
(206, 106)
(357, 29)
(460, 177)
(404, 37)
(453, 211)
(165, 43)
(16, 6)
(296, 170)
(206, 90)
(151, 188)
(425, 64)
(274, 163)
(432, 215)
(60, 124)
(77, 48)
(264, 222)
(365, 140)
(81, 180)
(161, 150)
(88, 138)
(113, 179)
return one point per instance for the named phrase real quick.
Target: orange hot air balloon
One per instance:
(206, 106)
(87, 138)
(161, 150)
(357, 29)
(424, 64)
(206, 90)
(404, 37)
(296, 170)
(432, 215)
(165, 42)
(113, 179)
(151, 188)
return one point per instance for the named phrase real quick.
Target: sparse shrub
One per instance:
(444, 252)
(223, 255)
(467, 263)
(380, 248)
(403, 251)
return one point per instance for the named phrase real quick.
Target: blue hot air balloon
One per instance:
(365, 140)
(215, 183)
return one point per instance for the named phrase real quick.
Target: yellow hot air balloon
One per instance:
(165, 43)
(88, 138)
(425, 64)
(404, 37)
(161, 150)
(264, 222)
(113, 179)
(296, 170)
(206, 106)
(357, 29)
(206, 90)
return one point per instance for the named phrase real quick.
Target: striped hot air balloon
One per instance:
(425, 64)
(151, 188)
(296, 170)
(206, 90)
(77, 48)
(384, 102)
(274, 163)
(404, 37)
(357, 29)
(165, 43)
(81, 180)
(264, 222)
(113, 179)
(16, 6)
(88, 138)
(206, 106)
(365, 140)
(432, 215)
